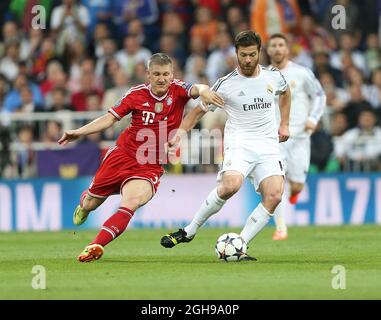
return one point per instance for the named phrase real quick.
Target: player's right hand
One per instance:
(212, 97)
(283, 133)
(69, 136)
(172, 145)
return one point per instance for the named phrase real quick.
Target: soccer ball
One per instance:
(230, 247)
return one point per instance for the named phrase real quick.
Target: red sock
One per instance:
(114, 226)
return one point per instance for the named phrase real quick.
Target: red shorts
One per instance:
(116, 169)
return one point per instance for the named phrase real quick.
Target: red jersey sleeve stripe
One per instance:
(114, 114)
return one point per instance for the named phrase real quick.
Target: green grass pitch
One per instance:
(135, 266)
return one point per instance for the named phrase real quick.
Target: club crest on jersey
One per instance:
(158, 107)
(293, 84)
(169, 101)
(269, 89)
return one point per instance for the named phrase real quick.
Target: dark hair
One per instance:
(278, 35)
(246, 39)
(159, 58)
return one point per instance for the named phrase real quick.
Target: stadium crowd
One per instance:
(91, 52)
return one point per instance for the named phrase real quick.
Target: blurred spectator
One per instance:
(100, 12)
(79, 99)
(195, 70)
(312, 37)
(24, 159)
(373, 52)
(355, 77)
(321, 65)
(206, 27)
(355, 105)
(321, 148)
(85, 67)
(236, 20)
(193, 62)
(69, 22)
(346, 50)
(222, 60)
(100, 33)
(375, 89)
(52, 133)
(168, 45)
(273, 16)
(13, 99)
(73, 56)
(41, 56)
(9, 63)
(131, 54)
(114, 94)
(93, 102)
(339, 124)
(54, 71)
(59, 100)
(140, 74)
(27, 102)
(30, 43)
(173, 25)
(4, 87)
(108, 50)
(10, 33)
(359, 149)
(111, 68)
(145, 10)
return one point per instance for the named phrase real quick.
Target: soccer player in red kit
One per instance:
(133, 167)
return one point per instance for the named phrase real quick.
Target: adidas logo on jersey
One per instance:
(145, 104)
(241, 94)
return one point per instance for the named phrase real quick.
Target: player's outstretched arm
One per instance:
(284, 107)
(187, 124)
(96, 125)
(207, 95)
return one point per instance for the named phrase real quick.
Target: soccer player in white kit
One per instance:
(308, 103)
(251, 140)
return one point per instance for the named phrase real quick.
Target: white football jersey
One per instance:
(308, 99)
(250, 104)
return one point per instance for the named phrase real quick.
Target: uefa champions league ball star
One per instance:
(230, 247)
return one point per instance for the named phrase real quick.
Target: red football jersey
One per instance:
(153, 119)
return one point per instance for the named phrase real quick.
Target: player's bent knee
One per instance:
(273, 198)
(133, 203)
(226, 191)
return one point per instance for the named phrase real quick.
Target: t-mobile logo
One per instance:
(148, 117)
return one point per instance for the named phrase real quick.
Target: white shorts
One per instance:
(257, 161)
(296, 158)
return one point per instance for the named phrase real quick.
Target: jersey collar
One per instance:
(155, 96)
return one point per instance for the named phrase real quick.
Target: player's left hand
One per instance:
(211, 97)
(310, 127)
(283, 133)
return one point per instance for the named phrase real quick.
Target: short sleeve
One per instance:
(123, 106)
(281, 83)
(184, 89)
(217, 88)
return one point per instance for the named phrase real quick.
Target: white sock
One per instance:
(280, 220)
(211, 205)
(255, 223)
